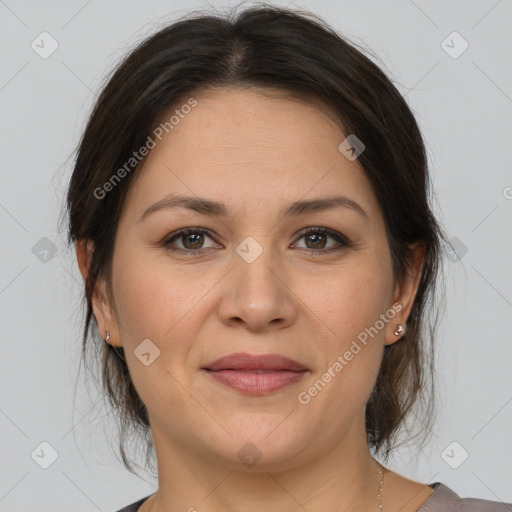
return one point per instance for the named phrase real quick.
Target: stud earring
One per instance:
(108, 337)
(399, 330)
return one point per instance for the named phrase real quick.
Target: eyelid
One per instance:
(184, 231)
(342, 240)
(340, 237)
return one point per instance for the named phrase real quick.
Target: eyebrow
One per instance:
(219, 209)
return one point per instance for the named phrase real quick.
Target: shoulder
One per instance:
(444, 499)
(133, 507)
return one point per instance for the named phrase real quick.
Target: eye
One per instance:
(191, 239)
(316, 240)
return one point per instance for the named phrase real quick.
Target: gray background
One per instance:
(464, 108)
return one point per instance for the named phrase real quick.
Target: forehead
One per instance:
(250, 146)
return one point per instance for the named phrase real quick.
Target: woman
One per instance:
(251, 217)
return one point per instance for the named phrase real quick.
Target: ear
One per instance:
(405, 293)
(103, 311)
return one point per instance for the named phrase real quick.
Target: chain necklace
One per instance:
(381, 486)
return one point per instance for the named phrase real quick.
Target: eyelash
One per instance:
(341, 239)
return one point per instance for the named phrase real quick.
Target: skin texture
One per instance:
(257, 151)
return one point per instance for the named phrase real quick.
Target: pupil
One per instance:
(315, 238)
(194, 244)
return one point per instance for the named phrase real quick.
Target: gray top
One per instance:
(443, 499)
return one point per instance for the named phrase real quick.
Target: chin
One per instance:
(260, 442)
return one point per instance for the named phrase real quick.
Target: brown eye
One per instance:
(317, 240)
(188, 240)
(192, 240)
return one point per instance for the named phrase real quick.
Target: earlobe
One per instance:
(405, 293)
(396, 328)
(100, 300)
(103, 312)
(399, 330)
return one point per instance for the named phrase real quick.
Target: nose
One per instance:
(258, 295)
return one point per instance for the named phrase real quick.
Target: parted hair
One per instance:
(294, 51)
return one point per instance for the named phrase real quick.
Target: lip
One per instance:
(244, 361)
(253, 374)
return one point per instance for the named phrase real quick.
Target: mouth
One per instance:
(250, 362)
(256, 374)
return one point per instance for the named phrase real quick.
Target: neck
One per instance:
(345, 477)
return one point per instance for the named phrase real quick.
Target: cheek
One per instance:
(153, 304)
(353, 299)
(153, 298)
(352, 303)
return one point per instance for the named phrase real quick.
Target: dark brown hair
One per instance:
(295, 51)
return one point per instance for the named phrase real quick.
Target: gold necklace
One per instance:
(381, 485)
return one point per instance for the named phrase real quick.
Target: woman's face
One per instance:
(250, 279)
